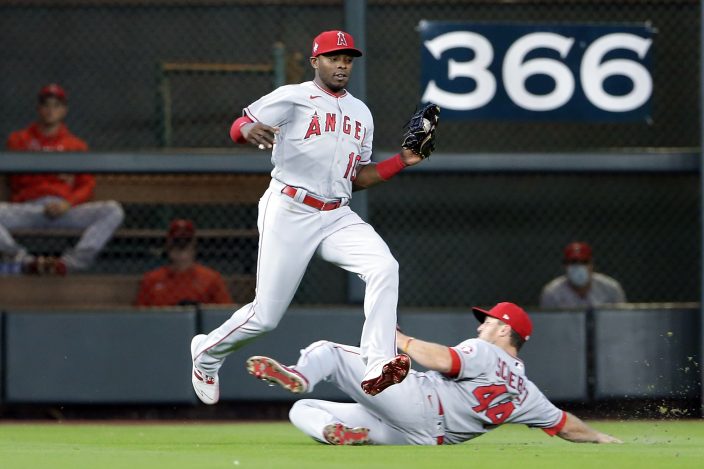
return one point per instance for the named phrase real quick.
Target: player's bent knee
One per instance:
(115, 211)
(268, 314)
(299, 411)
(392, 266)
(268, 324)
(386, 268)
(319, 343)
(324, 345)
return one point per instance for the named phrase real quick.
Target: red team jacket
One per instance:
(199, 284)
(75, 188)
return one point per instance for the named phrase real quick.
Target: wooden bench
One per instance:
(181, 188)
(111, 291)
(174, 188)
(134, 233)
(90, 291)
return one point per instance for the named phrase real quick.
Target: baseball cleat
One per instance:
(393, 372)
(207, 387)
(338, 434)
(268, 369)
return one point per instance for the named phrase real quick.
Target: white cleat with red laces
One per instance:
(207, 387)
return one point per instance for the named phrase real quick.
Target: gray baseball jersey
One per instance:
(427, 408)
(322, 139)
(490, 388)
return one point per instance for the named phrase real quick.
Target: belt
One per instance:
(441, 412)
(312, 201)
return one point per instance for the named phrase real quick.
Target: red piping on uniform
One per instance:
(249, 114)
(344, 92)
(229, 333)
(552, 431)
(261, 241)
(252, 309)
(441, 412)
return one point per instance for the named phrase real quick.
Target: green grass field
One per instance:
(647, 444)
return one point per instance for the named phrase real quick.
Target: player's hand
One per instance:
(56, 209)
(260, 135)
(604, 438)
(409, 158)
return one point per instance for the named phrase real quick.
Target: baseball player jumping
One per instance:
(321, 140)
(472, 388)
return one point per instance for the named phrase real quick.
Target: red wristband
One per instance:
(390, 167)
(235, 133)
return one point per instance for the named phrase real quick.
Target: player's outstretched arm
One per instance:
(432, 356)
(376, 173)
(577, 431)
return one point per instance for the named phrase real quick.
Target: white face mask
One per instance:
(578, 275)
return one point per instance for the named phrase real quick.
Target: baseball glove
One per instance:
(419, 131)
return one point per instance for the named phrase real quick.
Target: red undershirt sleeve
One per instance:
(552, 431)
(456, 364)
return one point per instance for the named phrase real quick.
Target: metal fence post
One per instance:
(355, 19)
(701, 199)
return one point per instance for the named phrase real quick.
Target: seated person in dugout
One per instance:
(471, 388)
(54, 201)
(183, 281)
(581, 286)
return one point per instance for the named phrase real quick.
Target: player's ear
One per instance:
(314, 62)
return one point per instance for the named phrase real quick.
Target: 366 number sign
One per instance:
(586, 72)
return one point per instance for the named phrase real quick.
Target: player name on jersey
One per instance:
(512, 380)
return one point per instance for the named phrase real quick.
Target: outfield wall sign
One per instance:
(582, 72)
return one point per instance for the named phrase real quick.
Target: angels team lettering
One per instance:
(349, 126)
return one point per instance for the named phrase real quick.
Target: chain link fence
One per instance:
(172, 75)
(175, 73)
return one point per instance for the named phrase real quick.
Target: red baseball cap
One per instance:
(577, 252)
(53, 90)
(333, 41)
(181, 229)
(511, 314)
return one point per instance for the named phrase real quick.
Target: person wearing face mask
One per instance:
(580, 287)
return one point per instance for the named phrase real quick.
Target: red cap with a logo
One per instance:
(577, 252)
(52, 91)
(511, 314)
(333, 41)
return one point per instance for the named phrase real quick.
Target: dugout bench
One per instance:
(113, 282)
